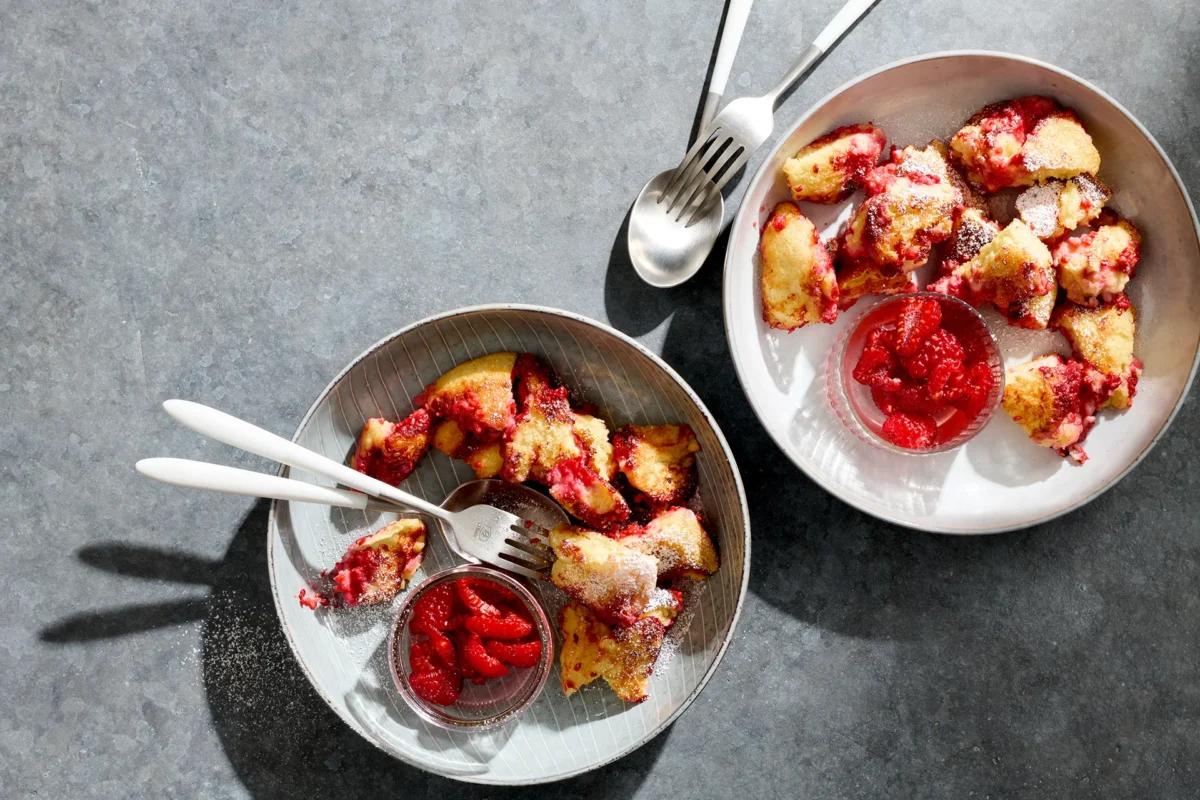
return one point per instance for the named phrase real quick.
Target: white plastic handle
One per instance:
(842, 22)
(231, 480)
(241, 434)
(731, 39)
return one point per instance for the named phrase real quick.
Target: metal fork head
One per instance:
(717, 155)
(498, 538)
(483, 530)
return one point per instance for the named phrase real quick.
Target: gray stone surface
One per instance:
(227, 200)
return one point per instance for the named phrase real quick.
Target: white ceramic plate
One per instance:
(999, 480)
(344, 653)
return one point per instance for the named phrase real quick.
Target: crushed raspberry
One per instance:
(929, 381)
(510, 626)
(516, 654)
(913, 431)
(420, 656)
(919, 317)
(438, 686)
(876, 367)
(312, 600)
(468, 629)
(939, 347)
(471, 599)
(482, 662)
(434, 608)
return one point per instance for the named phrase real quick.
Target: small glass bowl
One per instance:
(852, 402)
(481, 707)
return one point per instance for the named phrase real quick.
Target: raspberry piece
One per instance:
(945, 381)
(974, 386)
(496, 594)
(476, 656)
(919, 317)
(434, 608)
(915, 400)
(884, 401)
(312, 600)
(510, 626)
(420, 656)
(874, 368)
(440, 687)
(913, 431)
(517, 654)
(471, 599)
(938, 347)
(440, 645)
(884, 337)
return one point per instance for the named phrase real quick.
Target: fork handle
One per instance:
(231, 480)
(845, 19)
(241, 434)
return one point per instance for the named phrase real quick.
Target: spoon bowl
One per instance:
(664, 251)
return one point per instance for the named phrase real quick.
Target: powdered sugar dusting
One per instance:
(1038, 207)
(1092, 190)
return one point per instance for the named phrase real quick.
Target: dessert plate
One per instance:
(999, 480)
(344, 653)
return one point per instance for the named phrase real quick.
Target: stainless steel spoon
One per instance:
(680, 213)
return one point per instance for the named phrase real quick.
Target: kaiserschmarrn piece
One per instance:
(1103, 337)
(829, 169)
(859, 279)
(799, 285)
(677, 541)
(910, 206)
(623, 656)
(477, 394)
(603, 574)
(1013, 271)
(1024, 141)
(485, 458)
(1056, 207)
(1096, 266)
(389, 451)
(569, 453)
(1055, 400)
(374, 569)
(658, 461)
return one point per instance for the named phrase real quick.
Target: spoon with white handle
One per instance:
(731, 38)
(680, 213)
(479, 532)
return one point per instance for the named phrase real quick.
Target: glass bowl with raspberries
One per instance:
(470, 649)
(916, 373)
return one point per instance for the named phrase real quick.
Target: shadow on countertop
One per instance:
(280, 738)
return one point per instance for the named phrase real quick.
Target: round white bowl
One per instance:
(344, 654)
(999, 480)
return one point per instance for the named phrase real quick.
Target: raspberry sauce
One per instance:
(922, 370)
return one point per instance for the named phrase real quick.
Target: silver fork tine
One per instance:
(537, 551)
(697, 181)
(519, 559)
(712, 189)
(696, 167)
(699, 171)
(689, 159)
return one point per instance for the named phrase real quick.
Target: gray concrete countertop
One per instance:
(226, 201)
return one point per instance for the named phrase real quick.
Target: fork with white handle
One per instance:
(725, 146)
(481, 532)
